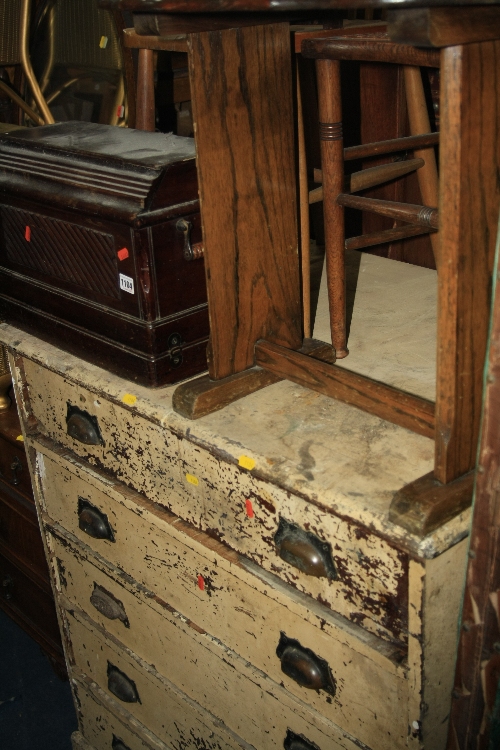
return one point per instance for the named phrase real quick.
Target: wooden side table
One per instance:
(244, 128)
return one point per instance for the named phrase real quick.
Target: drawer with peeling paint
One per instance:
(102, 728)
(339, 563)
(340, 679)
(242, 698)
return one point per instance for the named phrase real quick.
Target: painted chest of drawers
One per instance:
(235, 582)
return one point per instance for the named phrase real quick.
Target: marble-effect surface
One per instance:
(392, 335)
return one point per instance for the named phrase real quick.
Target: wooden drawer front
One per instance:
(20, 537)
(28, 603)
(240, 697)
(101, 727)
(245, 512)
(122, 609)
(14, 468)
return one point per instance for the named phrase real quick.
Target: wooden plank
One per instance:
(172, 43)
(443, 27)
(224, 6)
(425, 504)
(469, 205)
(244, 129)
(475, 719)
(389, 403)
(202, 395)
(368, 49)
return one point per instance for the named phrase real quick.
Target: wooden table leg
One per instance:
(145, 114)
(241, 86)
(469, 209)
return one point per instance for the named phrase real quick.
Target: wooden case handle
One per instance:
(122, 686)
(83, 426)
(93, 521)
(108, 605)
(304, 550)
(304, 666)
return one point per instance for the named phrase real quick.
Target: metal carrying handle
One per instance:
(298, 742)
(191, 252)
(83, 426)
(304, 666)
(108, 605)
(304, 550)
(122, 686)
(93, 521)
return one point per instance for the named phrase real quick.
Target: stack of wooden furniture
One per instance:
(25, 590)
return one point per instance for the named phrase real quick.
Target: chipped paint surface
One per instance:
(371, 584)
(354, 705)
(359, 460)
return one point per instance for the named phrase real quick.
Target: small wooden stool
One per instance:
(147, 45)
(328, 53)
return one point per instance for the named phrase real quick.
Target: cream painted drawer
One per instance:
(249, 704)
(215, 494)
(104, 724)
(361, 688)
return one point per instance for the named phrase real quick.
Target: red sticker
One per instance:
(248, 504)
(123, 253)
(120, 110)
(201, 583)
(27, 234)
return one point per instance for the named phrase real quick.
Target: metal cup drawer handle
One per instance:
(304, 550)
(93, 521)
(83, 426)
(117, 744)
(298, 742)
(108, 605)
(304, 666)
(122, 686)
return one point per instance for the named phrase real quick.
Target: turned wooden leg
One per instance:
(332, 164)
(145, 118)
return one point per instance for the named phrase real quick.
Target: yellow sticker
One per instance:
(103, 42)
(20, 438)
(129, 399)
(192, 480)
(246, 462)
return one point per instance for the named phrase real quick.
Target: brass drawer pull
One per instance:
(83, 426)
(304, 550)
(298, 742)
(117, 744)
(93, 521)
(122, 686)
(304, 666)
(108, 605)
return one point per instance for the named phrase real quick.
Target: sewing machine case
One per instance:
(97, 229)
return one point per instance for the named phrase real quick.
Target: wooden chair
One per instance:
(338, 192)
(147, 46)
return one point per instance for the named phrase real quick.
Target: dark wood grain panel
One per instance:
(442, 27)
(379, 399)
(469, 205)
(20, 538)
(244, 129)
(475, 719)
(225, 6)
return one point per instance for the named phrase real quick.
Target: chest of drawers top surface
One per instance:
(333, 457)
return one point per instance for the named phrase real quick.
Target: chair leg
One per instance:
(419, 123)
(332, 161)
(145, 117)
(305, 240)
